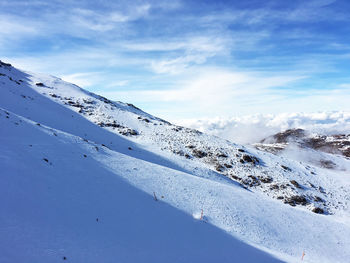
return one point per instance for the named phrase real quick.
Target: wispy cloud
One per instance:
(215, 92)
(106, 21)
(188, 58)
(84, 79)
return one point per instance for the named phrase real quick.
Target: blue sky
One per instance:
(189, 59)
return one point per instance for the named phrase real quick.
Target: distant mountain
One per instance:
(336, 145)
(69, 157)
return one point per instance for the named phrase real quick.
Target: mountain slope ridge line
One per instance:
(279, 214)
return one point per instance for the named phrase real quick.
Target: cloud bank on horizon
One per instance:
(253, 128)
(189, 59)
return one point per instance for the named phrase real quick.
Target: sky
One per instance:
(189, 59)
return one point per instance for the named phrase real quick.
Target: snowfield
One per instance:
(85, 179)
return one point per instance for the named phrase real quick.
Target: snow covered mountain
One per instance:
(330, 151)
(69, 161)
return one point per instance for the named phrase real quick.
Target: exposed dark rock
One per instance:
(320, 188)
(105, 100)
(296, 200)
(199, 154)
(3, 64)
(180, 152)
(250, 159)
(110, 124)
(133, 132)
(196, 132)
(251, 181)
(296, 184)
(286, 136)
(88, 101)
(236, 177)
(284, 186)
(286, 168)
(266, 180)
(318, 210)
(129, 132)
(74, 104)
(40, 84)
(133, 106)
(274, 187)
(318, 199)
(219, 168)
(190, 146)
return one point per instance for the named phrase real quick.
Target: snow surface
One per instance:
(52, 194)
(50, 208)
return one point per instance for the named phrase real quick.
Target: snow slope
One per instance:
(57, 203)
(54, 194)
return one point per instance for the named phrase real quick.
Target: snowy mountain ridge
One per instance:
(187, 169)
(334, 145)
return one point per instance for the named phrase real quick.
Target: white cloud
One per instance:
(85, 79)
(253, 128)
(213, 87)
(192, 43)
(179, 64)
(194, 50)
(10, 27)
(210, 92)
(13, 30)
(121, 83)
(105, 21)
